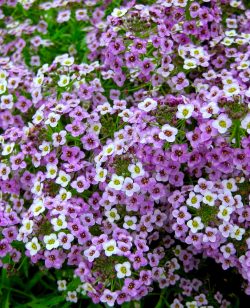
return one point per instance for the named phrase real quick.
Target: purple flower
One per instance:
(85, 91)
(4, 247)
(179, 152)
(180, 81)
(139, 46)
(109, 297)
(54, 258)
(17, 162)
(75, 128)
(80, 184)
(181, 215)
(132, 59)
(90, 141)
(117, 46)
(147, 66)
(131, 286)
(138, 260)
(65, 239)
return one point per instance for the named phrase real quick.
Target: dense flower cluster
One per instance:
(132, 166)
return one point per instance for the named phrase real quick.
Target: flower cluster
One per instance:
(133, 165)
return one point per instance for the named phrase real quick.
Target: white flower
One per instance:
(3, 86)
(6, 101)
(227, 41)
(67, 61)
(3, 75)
(230, 184)
(168, 133)
(119, 12)
(222, 123)
(104, 108)
(232, 89)
(64, 195)
(62, 285)
(130, 222)
(123, 269)
(194, 200)
(116, 182)
(101, 174)
(110, 248)
(59, 222)
(8, 148)
(45, 148)
(37, 207)
(125, 115)
(184, 111)
(88, 287)
(136, 170)
(63, 178)
(108, 149)
(243, 65)
(209, 198)
(38, 80)
(192, 304)
(209, 110)
(235, 3)
(237, 233)
(33, 246)
(71, 297)
(245, 123)
(53, 119)
(95, 128)
(148, 104)
(181, 3)
(189, 63)
(37, 117)
(27, 226)
(51, 171)
(195, 224)
(112, 215)
(196, 52)
(51, 241)
(63, 81)
(224, 212)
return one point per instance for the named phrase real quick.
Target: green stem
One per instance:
(19, 292)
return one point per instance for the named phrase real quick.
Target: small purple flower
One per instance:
(139, 46)
(147, 66)
(210, 235)
(116, 47)
(4, 247)
(76, 128)
(109, 297)
(131, 286)
(181, 215)
(63, 16)
(180, 81)
(179, 152)
(54, 258)
(17, 161)
(90, 141)
(65, 239)
(132, 59)
(80, 184)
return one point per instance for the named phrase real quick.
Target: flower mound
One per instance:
(129, 168)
